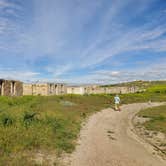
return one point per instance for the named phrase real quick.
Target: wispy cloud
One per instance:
(79, 36)
(4, 4)
(9, 73)
(58, 71)
(151, 72)
(145, 37)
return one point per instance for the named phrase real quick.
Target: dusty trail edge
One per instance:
(108, 138)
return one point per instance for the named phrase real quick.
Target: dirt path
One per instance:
(107, 140)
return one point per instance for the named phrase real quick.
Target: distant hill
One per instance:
(141, 84)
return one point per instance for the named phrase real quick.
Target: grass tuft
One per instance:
(157, 117)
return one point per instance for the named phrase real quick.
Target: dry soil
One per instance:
(107, 139)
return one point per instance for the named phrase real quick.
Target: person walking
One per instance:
(117, 102)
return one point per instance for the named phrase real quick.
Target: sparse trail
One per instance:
(107, 140)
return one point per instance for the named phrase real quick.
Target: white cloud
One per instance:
(57, 23)
(4, 3)
(115, 37)
(9, 29)
(9, 73)
(59, 70)
(60, 29)
(151, 72)
(8, 7)
(142, 38)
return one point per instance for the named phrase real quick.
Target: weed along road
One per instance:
(108, 139)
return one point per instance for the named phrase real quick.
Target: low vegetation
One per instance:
(30, 124)
(161, 88)
(141, 84)
(157, 117)
(143, 97)
(33, 124)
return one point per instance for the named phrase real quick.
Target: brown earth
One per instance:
(107, 139)
(156, 138)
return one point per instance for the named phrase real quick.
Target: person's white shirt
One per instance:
(117, 99)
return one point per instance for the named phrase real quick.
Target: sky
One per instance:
(83, 41)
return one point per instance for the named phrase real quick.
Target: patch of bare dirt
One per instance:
(108, 139)
(46, 158)
(156, 139)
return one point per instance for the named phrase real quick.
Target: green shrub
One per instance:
(6, 120)
(29, 117)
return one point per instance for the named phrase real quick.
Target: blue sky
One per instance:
(82, 41)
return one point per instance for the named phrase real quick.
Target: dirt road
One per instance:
(108, 139)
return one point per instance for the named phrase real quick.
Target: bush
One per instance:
(6, 120)
(29, 117)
